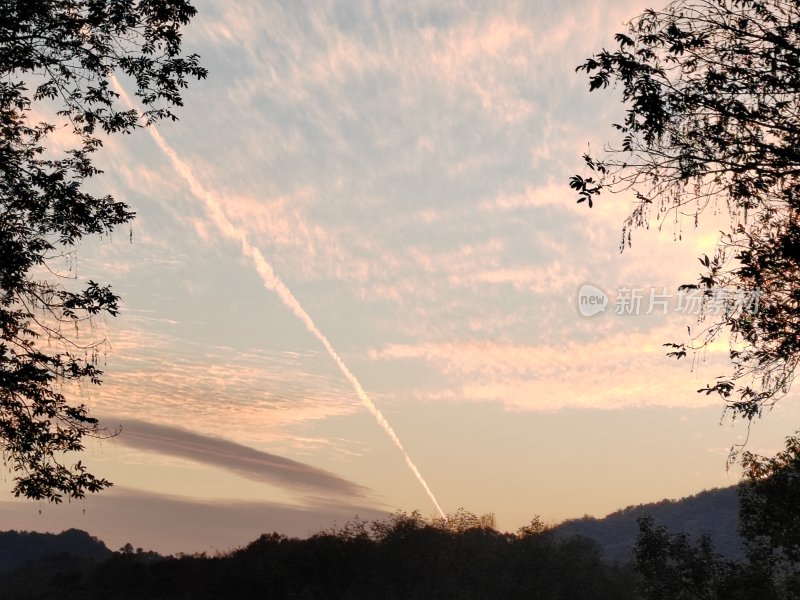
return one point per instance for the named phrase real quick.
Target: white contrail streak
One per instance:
(272, 282)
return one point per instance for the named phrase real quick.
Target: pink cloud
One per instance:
(625, 369)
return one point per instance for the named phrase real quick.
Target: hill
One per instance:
(713, 512)
(20, 547)
(404, 556)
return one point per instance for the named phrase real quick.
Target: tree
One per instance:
(712, 96)
(674, 567)
(770, 496)
(63, 55)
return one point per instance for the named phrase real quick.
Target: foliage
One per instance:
(712, 96)
(770, 513)
(672, 566)
(63, 56)
(403, 557)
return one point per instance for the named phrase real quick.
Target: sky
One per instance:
(361, 227)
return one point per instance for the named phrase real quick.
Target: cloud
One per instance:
(243, 460)
(156, 372)
(171, 524)
(616, 371)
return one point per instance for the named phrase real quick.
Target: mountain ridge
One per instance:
(713, 512)
(20, 547)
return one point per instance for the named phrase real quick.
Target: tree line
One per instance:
(464, 556)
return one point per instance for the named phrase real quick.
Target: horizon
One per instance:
(297, 530)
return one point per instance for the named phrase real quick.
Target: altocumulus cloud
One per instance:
(237, 458)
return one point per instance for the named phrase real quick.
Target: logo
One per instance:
(591, 300)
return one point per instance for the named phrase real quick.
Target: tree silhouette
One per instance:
(63, 56)
(770, 496)
(712, 122)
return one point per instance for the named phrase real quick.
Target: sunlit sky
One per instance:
(403, 168)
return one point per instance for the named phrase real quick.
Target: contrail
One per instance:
(272, 282)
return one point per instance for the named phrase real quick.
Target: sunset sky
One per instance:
(402, 168)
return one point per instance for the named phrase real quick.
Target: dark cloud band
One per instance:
(172, 524)
(240, 459)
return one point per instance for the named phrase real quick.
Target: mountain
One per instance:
(20, 547)
(405, 556)
(712, 512)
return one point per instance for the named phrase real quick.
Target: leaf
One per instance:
(576, 182)
(623, 40)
